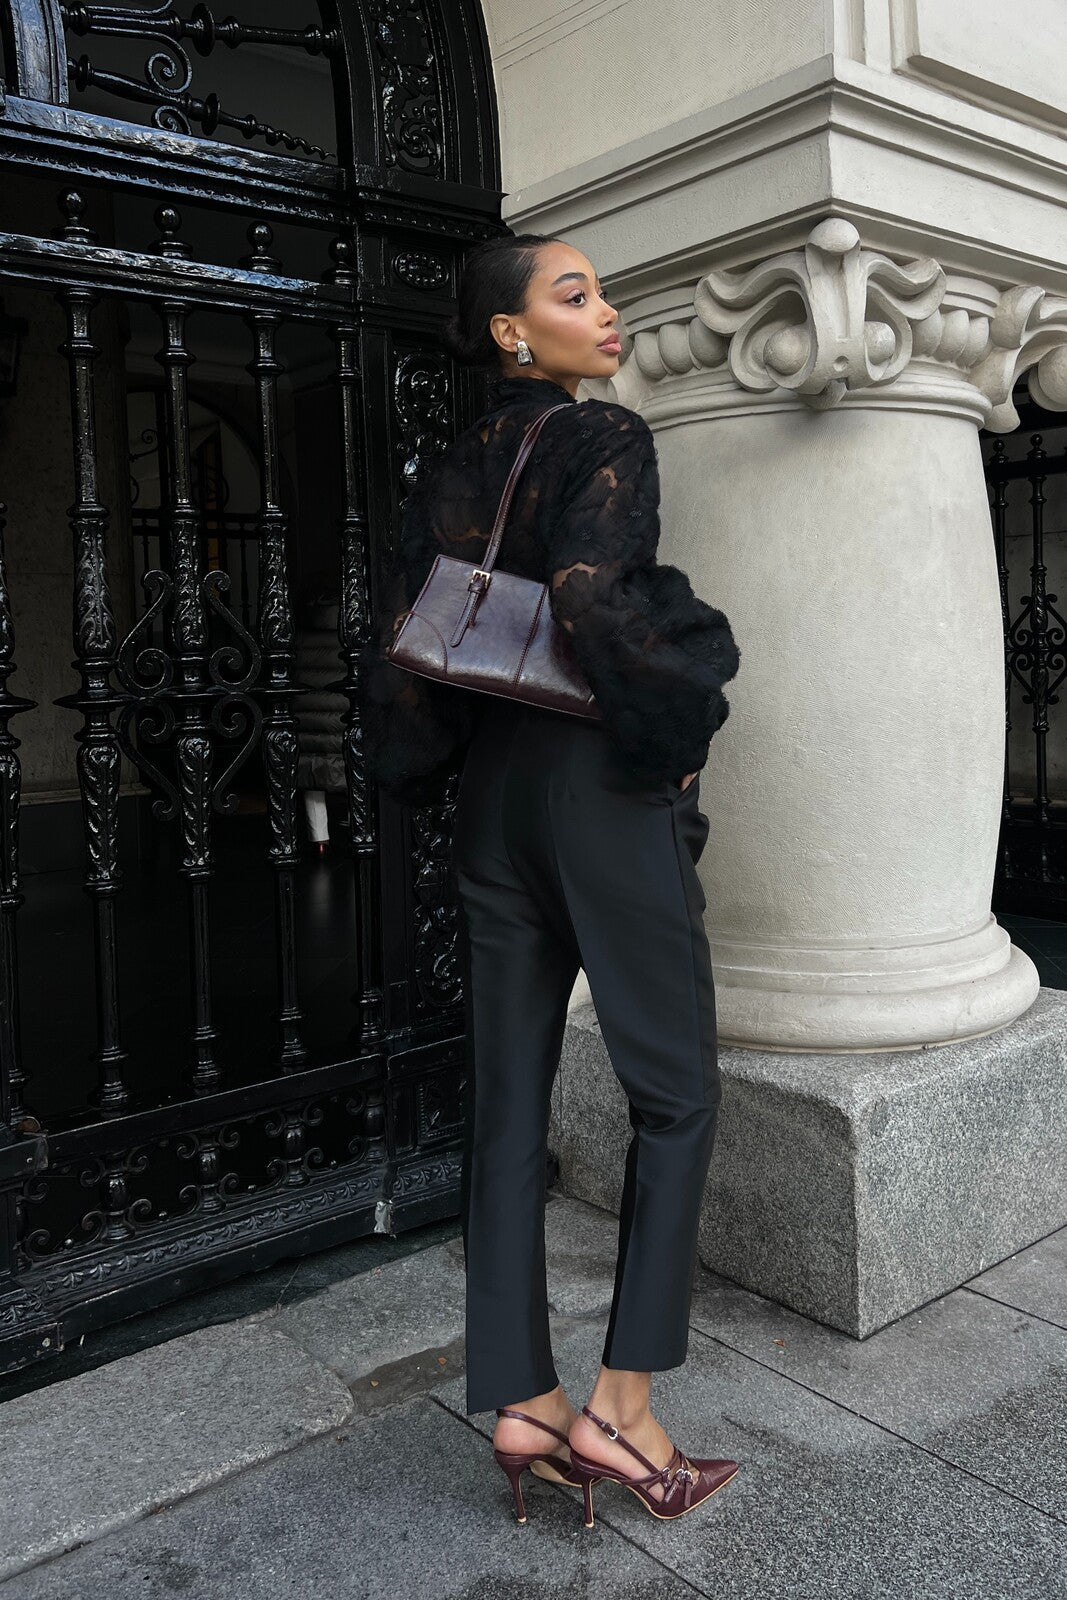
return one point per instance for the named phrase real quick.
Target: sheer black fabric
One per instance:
(585, 519)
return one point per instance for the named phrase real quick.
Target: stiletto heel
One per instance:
(702, 1477)
(513, 1466)
(588, 1480)
(540, 1462)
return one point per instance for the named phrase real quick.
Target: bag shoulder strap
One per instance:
(529, 439)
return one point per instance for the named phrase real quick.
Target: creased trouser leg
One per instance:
(521, 974)
(649, 968)
(562, 860)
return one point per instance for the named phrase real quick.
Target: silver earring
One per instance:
(523, 354)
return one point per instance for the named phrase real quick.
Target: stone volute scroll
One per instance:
(1027, 334)
(858, 309)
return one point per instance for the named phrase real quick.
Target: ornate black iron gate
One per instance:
(1026, 473)
(191, 1148)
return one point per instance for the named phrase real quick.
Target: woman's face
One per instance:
(565, 322)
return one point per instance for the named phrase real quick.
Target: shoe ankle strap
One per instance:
(676, 1471)
(613, 1433)
(509, 1411)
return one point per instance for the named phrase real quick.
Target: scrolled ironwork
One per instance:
(41, 1244)
(298, 1161)
(437, 965)
(230, 655)
(409, 88)
(132, 664)
(1037, 636)
(213, 1184)
(168, 70)
(277, 639)
(231, 716)
(160, 721)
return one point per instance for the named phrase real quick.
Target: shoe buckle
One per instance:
(684, 1472)
(612, 1432)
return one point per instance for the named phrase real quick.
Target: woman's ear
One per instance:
(504, 332)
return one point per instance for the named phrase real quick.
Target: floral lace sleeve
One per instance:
(586, 521)
(655, 655)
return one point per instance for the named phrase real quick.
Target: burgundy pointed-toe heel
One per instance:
(540, 1462)
(687, 1481)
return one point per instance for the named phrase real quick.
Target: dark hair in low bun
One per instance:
(496, 275)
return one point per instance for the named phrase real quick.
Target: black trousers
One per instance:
(563, 859)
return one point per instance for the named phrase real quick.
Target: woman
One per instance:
(575, 845)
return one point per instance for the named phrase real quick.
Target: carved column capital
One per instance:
(1027, 334)
(856, 311)
(834, 324)
(816, 324)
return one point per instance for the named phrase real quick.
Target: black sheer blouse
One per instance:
(585, 519)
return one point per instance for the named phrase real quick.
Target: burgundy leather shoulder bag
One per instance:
(487, 629)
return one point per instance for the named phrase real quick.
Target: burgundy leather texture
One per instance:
(701, 1475)
(487, 629)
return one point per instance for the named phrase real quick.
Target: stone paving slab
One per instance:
(330, 1442)
(91, 1453)
(976, 1382)
(826, 1505)
(580, 1247)
(417, 1304)
(1033, 1280)
(98, 1451)
(409, 1504)
(380, 1316)
(405, 1505)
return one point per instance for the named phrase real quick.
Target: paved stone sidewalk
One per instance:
(322, 1449)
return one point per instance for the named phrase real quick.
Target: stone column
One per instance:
(816, 389)
(816, 422)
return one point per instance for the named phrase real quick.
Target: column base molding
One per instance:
(854, 1001)
(853, 1190)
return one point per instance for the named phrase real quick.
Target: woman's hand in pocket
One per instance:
(683, 783)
